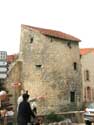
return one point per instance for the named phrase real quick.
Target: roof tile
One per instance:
(53, 33)
(84, 51)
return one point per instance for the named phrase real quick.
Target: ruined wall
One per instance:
(48, 70)
(13, 77)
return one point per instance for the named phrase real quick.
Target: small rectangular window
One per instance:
(38, 66)
(31, 40)
(69, 44)
(72, 96)
(75, 65)
(86, 75)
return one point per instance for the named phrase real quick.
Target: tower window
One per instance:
(31, 40)
(87, 78)
(75, 65)
(72, 96)
(69, 44)
(38, 66)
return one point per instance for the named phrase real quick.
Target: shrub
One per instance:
(52, 117)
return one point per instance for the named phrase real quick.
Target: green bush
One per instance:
(52, 117)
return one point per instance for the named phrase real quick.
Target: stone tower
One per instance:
(51, 68)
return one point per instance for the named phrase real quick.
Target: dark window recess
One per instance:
(87, 75)
(75, 65)
(72, 96)
(51, 39)
(31, 40)
(69, 44)
(39, 66)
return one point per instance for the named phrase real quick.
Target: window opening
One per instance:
(75, 66)
(38, 66)
(31, 40)
(69, 44)
(72, 96)
(87, 75)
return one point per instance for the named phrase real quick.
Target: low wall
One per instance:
(74, 116)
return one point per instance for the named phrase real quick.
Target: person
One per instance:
(34, 109)
(20, 98)
(25, 112)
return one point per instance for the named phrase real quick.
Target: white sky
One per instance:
(75, 17)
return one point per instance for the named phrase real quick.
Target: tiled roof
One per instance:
(84, 51)
(53, 33)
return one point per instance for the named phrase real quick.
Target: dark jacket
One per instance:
(24, 113)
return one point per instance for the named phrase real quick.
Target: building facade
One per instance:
(87, 62)
(51, 68)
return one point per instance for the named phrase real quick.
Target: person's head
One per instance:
(26, 91)
(25, 97)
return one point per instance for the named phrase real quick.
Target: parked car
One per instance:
(89, 113)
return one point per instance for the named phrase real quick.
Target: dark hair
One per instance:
(25, 96)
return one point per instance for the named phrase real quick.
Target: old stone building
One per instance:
(14, 75)
(87, 62)
(49, 66)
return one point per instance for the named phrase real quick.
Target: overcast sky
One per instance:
(75, 17)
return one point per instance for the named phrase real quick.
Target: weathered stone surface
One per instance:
(56, 77)
(87, 61)
(14, 77)
(48, 70)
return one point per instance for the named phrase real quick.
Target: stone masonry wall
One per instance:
(87, 62)
(13, 77)
(48, 70)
